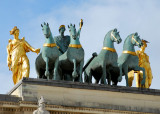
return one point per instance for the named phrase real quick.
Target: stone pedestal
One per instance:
(69, 97)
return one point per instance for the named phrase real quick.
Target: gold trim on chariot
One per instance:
(109, 49)
(75, 45)
(49, 45)
(130, 52)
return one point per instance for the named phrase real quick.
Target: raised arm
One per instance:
(28, 47)
(80, 26)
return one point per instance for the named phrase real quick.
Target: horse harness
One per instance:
(131, 52)
(75, 45)
(110, 49)
(134, 39)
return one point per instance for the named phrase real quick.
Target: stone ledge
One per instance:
(83, 95)
(9, 98)
(70, 84)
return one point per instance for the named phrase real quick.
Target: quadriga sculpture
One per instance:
(106, 58)
(129, 60)
(47, 61)
(71, 62)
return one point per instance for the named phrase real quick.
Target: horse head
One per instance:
(136, 40)
(46, 30)
(115, 37)
(72, 31)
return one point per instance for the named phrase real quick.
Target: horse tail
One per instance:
(93, 56)
(86, 77)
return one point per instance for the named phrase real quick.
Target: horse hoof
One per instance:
(74, 74)
(80, 81)
(143, 82)
(47, 73)
(119, 79)
(103, 82)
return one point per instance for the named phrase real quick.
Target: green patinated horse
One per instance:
(106, 59)
(129, 60)
(71, 62)
(47, 61)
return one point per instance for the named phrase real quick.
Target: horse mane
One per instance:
(129, 36)
(108, 34)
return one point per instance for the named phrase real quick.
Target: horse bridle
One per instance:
(110, 49)
(113, 36)
(134, 39)
(49, 32)
(131, 52)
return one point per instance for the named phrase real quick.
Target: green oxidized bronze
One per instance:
(106, 59)
(62, 57)
(128, 60)
(47, 61)
(62, 41)
(71, 62)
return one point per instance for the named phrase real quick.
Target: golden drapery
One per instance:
(143, 62)
(17, 59)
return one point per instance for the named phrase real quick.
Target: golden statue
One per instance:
(17, 59)
(143, 62)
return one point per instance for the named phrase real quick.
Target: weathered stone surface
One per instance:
(10, 98)
(74, 94)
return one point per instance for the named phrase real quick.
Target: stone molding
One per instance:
(78, 85)
(75, 97)
(29, 107)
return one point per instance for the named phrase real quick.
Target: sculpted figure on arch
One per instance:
(62, 41)
(17, 59)
(41, 107)
(71, 62)
(143, 62)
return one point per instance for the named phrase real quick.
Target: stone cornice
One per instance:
(22, 106)
(69, 84)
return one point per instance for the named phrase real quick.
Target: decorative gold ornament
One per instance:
(109, 49)
(49, 45)
(130, 52)
(143, 62)
(81, 23)
(17, 59)
(75, 45)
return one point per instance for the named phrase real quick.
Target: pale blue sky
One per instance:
(100, 16)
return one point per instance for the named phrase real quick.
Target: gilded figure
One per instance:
(143, 62)
(17, 59)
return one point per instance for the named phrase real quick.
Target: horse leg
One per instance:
(114, 79)
(109, 77)
(104, 75)
(80, 71)
(126, 75)
(46, 59)
(74, 73)
(96, 81)
(55, 75)
(120, 72)
(137, 68)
